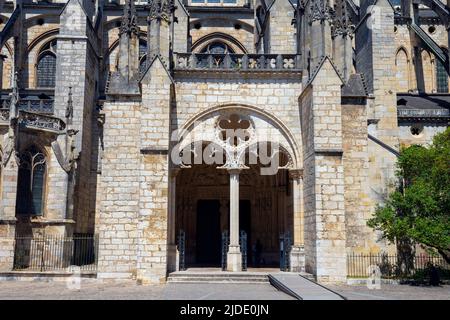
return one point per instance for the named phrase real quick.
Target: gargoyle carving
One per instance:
(66, 159)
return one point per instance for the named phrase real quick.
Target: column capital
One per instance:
(296, 174)
(234, 170)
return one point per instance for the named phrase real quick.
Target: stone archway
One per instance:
(270, 202)
(265, 211)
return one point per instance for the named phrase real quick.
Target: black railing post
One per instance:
(225, 244)
(182, 250)
(243, 244)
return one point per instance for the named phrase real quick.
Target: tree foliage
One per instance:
(418, 211)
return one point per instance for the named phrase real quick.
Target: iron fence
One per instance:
(285, 249)
(361, 266)
(56, 253)
(181, 243)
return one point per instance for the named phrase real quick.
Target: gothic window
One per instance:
(142, 55)
(402, 71)
(30, 185)
(46, 66)
(441, 77)
(427, 67)
(217, 47)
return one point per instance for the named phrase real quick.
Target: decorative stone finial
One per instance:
(129, 19)
(13, 110)
(161, 10)
(320, 11)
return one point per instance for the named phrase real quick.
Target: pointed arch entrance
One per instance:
(247, 192)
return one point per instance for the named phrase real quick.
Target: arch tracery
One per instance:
(240, 132)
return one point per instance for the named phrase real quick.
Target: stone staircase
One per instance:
(218, 277)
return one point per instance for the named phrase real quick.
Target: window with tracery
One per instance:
(46, 66)
(31, 181)
(441, 77)
(217, 47)
(142, 56)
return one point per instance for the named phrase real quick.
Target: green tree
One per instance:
(418, 211)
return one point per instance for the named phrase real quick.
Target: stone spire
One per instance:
(320, 15)
(13, 109)
(129, 20)
(159, 21)
(12, 141)
(342, 31)
(125, 79)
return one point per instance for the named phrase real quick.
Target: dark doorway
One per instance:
(208, 233)
(245, 224)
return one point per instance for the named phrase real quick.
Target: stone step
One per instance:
(217, 277)
(217, 280)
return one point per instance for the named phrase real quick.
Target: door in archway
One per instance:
(208, 233)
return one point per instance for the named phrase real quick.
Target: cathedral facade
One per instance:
(175, 131)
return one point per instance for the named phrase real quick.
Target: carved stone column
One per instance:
(298, 249)
(234, 257)
(172, 251)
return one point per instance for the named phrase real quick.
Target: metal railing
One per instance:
(224, 246)
(30, 104)
(285, 250)
(246, 62)
(243, 245)
(56, 253)
(181, 245)
(361, 265)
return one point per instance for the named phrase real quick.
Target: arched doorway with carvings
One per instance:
(235, 182)
(203, 213)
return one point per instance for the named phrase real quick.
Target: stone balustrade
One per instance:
(413, 113)
(237, 62)
(36, 121)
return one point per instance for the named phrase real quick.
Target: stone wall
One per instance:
(8, 194)
(356, 177)
(321, 121)
(225, 25)
(378, 42)
(154, 179)
(7, 66)
(278, 97)
(428, 131)
(116, 223)
(77, 68)
(282, 31)
(404, 40)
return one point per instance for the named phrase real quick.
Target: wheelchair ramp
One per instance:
(301, 288)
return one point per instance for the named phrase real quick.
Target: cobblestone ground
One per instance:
(94, 289)
(119, 290)
(392, 292)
